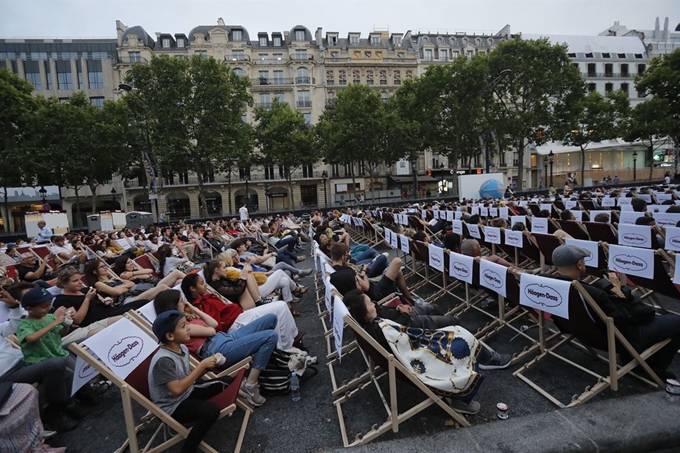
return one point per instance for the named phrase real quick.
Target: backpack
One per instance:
(275, 379)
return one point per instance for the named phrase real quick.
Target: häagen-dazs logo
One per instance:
(492, 278)
(86, 371)
(460, 269)
(542, 295)
(125, 351)
(512, 239)
(491, 235)
(436, 259)
(675, 240)
(630, 263)
(633, 238)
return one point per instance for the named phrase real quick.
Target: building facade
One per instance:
(59, 68)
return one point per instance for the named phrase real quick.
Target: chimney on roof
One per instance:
(666, 31)
(121, 28)
(220, 21)
(285, 36)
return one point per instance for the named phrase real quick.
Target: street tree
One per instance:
(598, 118)
(284, 138)
(192, 111)
(650, 123)
(16, 115)
(542, 92)
(662, 80)
(354, 131)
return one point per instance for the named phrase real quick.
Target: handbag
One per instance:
(275, 379)
(140, 288)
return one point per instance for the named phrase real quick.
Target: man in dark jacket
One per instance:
(637, 321)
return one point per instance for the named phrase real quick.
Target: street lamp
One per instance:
(113, 196)
(324, 177)
(634, 165)
(545, 172)
(43, 194)
(491, 88)
(551, 156)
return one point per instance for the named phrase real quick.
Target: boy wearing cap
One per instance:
(172, 384)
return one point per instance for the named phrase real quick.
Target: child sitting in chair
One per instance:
(172, 383)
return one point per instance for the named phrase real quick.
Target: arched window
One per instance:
(302, 76)
(238, 72)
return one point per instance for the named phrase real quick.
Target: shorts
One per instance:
(381, 289)
(81, 333)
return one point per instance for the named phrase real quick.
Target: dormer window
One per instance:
(354, 40)
(180, 42)
(166, 42)
(263, 41)
(237, 35)
(375, 40)
(397, 41)
(276, 41)
(332, 40)
(299, 35)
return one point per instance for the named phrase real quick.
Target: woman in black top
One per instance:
(89, 306)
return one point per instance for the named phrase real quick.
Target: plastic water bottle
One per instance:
(295, 386)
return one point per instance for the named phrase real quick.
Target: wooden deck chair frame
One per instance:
(662, 282)
(129, 394)
(420, 264)
(394, 367)
(613, 338)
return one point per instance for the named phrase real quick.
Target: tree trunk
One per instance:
(76, 221)
(454, 182)
(202, 207)
(651, 160)
(8, 219)
(228, 191)
(583, 165)
(370, 175)
(93, 189)
(414, 169)
(520, 165)
(290, 191)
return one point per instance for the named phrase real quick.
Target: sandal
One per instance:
(299, 259)
(300, 290)
(294, 312)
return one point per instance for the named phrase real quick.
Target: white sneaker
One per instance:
(252, 394)
(470, 408)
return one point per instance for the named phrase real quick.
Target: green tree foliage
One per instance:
(16, 115)
(192, 110)
(284, 138)
(650, 122)
(355, 130)
(78, 144)
(662, 80)
(599, 118)
(543, 92)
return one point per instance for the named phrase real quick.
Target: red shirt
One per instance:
(195, 343)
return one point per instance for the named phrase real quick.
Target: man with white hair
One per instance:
(637, 321)
(45, 234)
(30, 271)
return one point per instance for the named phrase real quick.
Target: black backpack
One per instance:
(275, 379)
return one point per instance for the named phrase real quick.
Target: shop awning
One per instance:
(409, 179)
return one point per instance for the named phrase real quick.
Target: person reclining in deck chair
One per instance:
(471, 247)
(636, 320)
(345, 278)
(456, 364)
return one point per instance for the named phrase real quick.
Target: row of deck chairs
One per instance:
(586, 327)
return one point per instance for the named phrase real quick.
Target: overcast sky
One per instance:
(96, 18)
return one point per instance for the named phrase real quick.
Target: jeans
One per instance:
(366, 256)
(437, 227)
(289, 242)
(200, 412)
(356, 250)
(377, 267)
(283, 255)
(257, 337)
(660, 328)
(431, 317)
(287, 268)
(51, 373)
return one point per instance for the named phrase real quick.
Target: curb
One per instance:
(635, 424)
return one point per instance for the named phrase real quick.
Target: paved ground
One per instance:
(311, 424)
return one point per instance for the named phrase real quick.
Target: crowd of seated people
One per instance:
(86, 282)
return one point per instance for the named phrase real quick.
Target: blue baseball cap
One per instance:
(165, 323)
(35, 297)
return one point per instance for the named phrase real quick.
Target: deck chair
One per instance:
(662, 283)
(42, 253)
(604, 232)
(589, 325)
(145, 262)
(419, 252)
(135, 387)
(382, 363)
(574, 229)
(547, 243)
